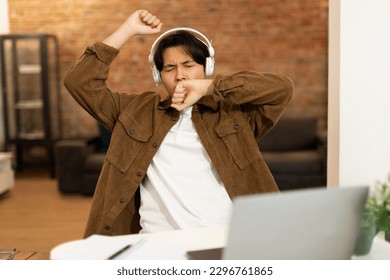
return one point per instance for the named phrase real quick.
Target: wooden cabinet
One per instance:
(31, 96)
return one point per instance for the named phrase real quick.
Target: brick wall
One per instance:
(285, 36)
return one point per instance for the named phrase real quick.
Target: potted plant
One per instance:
(367, 233)
(378, 203)
(375, 218)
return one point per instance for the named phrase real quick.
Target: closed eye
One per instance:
(169, 68)
(188, 63)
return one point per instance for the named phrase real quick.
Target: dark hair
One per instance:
(192, 46)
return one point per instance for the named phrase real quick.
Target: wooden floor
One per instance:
(35, 216)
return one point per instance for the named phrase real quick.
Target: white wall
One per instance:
(4, 20)
(4, 28)
(359, 92)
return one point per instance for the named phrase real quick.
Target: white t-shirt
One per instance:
(182, 188)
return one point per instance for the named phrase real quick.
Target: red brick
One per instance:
(286, 36)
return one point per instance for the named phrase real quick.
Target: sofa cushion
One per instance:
(292, 182)
(294, 162)
(94, 162)
(294, 133)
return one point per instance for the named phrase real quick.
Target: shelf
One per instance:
(29, 104)
(30, 69)
(32, 135)
(31, 93)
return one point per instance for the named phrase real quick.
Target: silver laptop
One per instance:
(310, 224)
(303, 224)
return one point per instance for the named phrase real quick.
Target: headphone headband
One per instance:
(198, 35)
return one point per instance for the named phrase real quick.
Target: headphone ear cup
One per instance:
(209, 68)
(156, 75)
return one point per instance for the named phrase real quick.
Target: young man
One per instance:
(176, 163)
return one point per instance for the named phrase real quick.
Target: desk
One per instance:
(30, 255)
(170, 245)
(167, 246)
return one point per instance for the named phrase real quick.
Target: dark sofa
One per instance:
(293, 150)
(296, 153)
(78, 162)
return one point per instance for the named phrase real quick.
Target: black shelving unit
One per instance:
(31, 96)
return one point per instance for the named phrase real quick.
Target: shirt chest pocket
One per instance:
(127, 140)
(238, 138)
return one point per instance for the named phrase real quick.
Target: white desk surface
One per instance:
(168, 246)
(171, 245)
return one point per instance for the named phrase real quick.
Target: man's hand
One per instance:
(139, 22)
(143, 22)
(188, 92)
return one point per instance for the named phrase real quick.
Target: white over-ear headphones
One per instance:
(209, 68)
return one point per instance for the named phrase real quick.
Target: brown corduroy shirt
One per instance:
(243, 107)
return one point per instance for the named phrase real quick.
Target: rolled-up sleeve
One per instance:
(263, 96)
(86, 82)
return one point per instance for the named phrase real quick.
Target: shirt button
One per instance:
(132, 131)
(139, 174)
(155, 145)
(122, 200)
(106, 227)
(173, 119)
(237, 127)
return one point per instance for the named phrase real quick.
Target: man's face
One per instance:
(179, 66)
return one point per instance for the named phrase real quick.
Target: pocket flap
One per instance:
(229, 126)
(134, 129)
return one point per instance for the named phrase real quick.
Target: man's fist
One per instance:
(188, 92)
